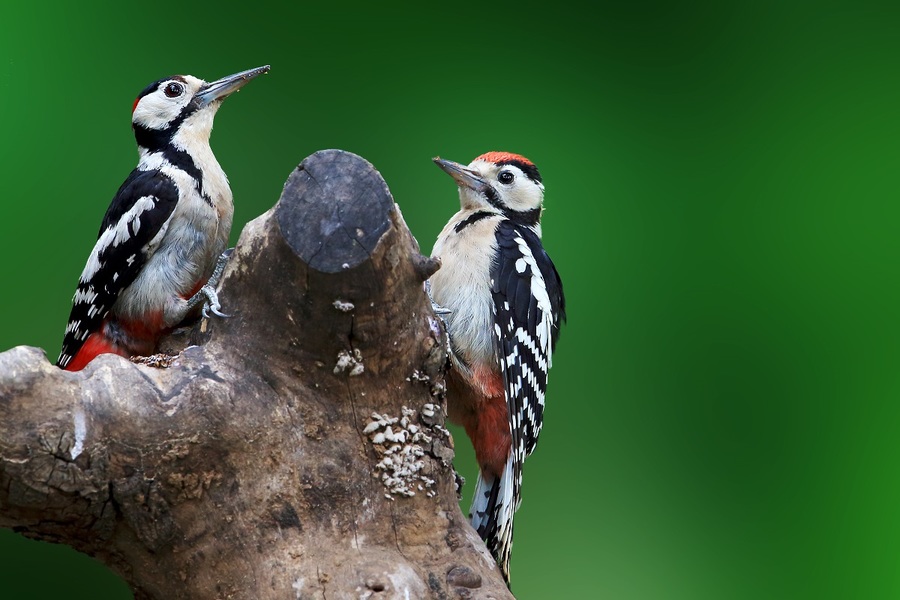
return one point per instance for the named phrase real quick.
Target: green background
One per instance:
(722, 204)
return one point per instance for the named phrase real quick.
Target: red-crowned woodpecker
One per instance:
(503, 304)
(161, 244)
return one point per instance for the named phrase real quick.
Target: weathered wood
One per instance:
(252, 467)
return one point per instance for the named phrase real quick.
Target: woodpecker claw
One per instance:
(220, 264)
(212, 303)
(437, 308)
(440, 310)
(208, 291)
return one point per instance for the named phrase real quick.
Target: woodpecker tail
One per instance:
(493, 506)
(95, 345)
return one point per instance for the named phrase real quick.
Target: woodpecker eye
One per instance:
(506, 177)
(173, 90)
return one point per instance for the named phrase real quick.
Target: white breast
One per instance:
(462, 285)
(186, 248)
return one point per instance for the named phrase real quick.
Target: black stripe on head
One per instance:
(160, 140)
(154, 140)
(182, 160)
(473, 218)
(157, 139)
(150, 89)
(529, 168)
(155, 85)
(523, 217)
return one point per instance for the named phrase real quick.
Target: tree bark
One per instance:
(295, 450)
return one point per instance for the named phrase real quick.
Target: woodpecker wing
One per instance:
(133, 225)
(529, 306)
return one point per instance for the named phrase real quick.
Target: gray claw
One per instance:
(437, 308)
(440, 310)
(208, 291)
(212, 303)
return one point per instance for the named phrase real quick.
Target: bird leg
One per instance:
(207, 293)
(437, 308)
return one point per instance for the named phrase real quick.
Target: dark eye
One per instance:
(506, 177)
(173, 90)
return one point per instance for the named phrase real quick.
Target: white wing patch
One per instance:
(116, 235)
(87, 295)
(539, 292)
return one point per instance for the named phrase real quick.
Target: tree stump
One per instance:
(296, 450)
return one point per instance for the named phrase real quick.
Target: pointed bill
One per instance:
(463, 175)
(220, 89)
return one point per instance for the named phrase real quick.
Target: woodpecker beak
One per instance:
(219, 90)
(464, 176)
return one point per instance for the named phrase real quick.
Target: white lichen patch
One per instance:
(346, 361)
(297, 585)
(439, 388)
(343, 305)
(418, 375)
(397, 441)
(157, 361)
(443, 431)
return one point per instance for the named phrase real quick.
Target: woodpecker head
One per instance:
(180, 109)
(501, 182)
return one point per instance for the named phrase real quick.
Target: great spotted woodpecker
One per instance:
(160, 246)
(503, 304)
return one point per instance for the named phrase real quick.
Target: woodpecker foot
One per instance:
(207, 293)
(210, 299)
(437, 308)
(212, 303)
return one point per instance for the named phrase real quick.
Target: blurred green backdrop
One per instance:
(722, 203)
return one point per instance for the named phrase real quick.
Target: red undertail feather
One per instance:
(131, 338)
(489, 426)
(95, 345)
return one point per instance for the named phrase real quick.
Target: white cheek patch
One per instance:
(155, 111)
(525, 194)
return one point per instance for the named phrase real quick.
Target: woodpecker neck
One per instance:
(184, 144)
(487, 200)
(529, 217)
(190, 128)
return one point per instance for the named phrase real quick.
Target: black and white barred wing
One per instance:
(528, 308)
(132, 227)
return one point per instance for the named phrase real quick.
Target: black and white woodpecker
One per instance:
(161, 245)
(503, 303)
